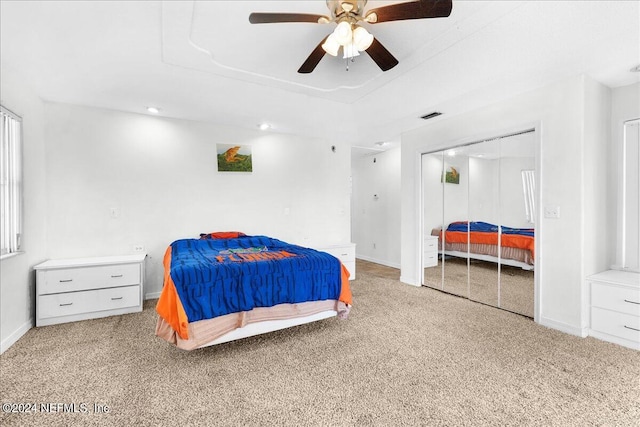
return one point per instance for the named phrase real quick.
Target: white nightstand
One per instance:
(68, 290)
(430, 251)
(346, 254)
(615, 307)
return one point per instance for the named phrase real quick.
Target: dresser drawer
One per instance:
(84, 278)
(344, 253)
(625, 300)
(66, 304)
(430, 259)
(617, 324)
(430, 244)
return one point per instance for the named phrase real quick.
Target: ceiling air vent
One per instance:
(431, 115)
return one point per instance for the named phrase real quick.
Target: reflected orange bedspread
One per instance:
(507, 240)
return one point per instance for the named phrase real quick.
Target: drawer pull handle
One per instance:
(66, 280)
(629, 327)
(69, 303)
(632, 302)
(113, 299)
(344, 254)
(116, 276)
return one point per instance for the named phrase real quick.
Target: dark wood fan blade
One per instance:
(381, 56)
(412, 10)
(269, 18)
(310, 64)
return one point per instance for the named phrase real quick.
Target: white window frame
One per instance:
(10, 183)
(529, 190)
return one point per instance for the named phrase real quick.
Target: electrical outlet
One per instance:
(138, 248)
(114, 212)
(374, 246)
(552, 211)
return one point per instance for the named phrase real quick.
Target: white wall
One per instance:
(558, 114)
(512, 211)
(484, 195)
(17, 281)
(625, 105)
(161, 176)
(597, 215)
(376, 221)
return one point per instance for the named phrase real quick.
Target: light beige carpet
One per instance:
(406, 356)
(479, 282)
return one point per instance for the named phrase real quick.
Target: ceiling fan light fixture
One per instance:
(362, 39)
(343, 33)
(331, 46)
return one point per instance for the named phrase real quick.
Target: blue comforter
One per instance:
(488, 228)
(218, 277)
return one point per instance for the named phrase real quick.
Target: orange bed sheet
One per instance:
(506, 240)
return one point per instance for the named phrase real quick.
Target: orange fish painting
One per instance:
(234, 158)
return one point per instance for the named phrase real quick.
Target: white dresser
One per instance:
(430, 251)
(615, 307)
(346, 254)
(68, 290)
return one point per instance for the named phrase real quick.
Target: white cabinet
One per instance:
(346, 254)
(615, 307)
(68, 290)
(430, 251)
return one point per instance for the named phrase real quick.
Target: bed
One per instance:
(479, 240)
(227, 285)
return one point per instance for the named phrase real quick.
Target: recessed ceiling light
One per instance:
(264, 126)
(153, 110)
(380, 143)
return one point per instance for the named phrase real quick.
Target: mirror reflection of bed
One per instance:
(479, 221)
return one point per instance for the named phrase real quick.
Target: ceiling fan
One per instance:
(349, 34)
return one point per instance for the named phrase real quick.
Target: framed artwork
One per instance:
(234, 158)
(451, 175)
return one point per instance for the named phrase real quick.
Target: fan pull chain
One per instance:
(353, 59)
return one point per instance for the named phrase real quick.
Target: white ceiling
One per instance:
(204, 60)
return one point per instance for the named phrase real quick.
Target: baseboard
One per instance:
(410, 282)
(378, 261)
(152, 295)
(563, 327)
(15, 336)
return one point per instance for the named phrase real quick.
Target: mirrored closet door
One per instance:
(479, 212)
(517, 216)
(484, 202)
(455, 180)
(432, 166)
